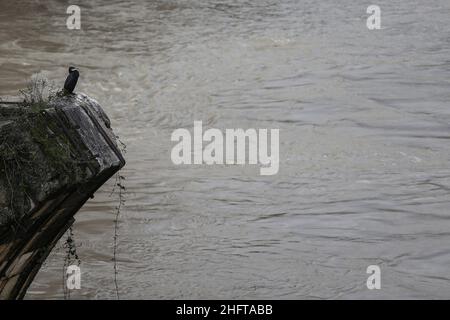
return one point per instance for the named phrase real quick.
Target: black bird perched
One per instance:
(71, 80)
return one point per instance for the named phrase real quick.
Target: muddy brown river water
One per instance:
(364, 119)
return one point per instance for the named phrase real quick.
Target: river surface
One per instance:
(364, 119)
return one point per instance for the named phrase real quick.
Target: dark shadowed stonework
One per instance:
(53, 157)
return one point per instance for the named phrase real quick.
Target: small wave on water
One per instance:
(364, 150)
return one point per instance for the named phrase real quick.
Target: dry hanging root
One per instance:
(119, 187)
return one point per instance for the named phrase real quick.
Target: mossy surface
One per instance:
(37, 159)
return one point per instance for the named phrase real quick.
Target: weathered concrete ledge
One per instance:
(53, 158)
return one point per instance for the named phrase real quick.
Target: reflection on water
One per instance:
(364, 144)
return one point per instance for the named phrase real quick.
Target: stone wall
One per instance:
(53, 158)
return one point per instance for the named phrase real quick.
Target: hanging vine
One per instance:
(70, 259)
(119, 189)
